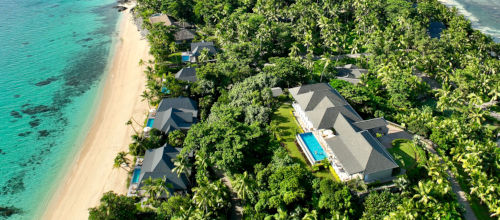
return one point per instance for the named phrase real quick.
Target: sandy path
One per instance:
(92, 172)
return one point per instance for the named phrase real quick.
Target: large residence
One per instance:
(196, 49)
(158, 163)
(334, 130)
(173, 114)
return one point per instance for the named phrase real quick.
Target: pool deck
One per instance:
(335, 163)
(133, 187)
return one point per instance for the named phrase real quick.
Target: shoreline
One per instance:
(90, 172)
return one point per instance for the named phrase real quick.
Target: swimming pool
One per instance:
(185, 58)
(135, 176)
(150, 122)
(313, 146)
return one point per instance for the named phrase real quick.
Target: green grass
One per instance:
(405, 154)
(287, 128)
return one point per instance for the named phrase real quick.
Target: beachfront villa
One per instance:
(173, 114)
(196, 48)
(187, 74)
(158, 163)
(335, 131)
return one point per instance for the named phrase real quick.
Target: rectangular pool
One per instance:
(135, 176)
(150, 122)
(185, 58)
(313, 146)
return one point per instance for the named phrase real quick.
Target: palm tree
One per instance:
(146, 96)
(129, 122)
(210, 196)
(327, 60)
(312, 215)
(120, 159)
(422, 192)
(156, 187)
(203, 57)
(181, 166)
(294, 52)
(243, 186)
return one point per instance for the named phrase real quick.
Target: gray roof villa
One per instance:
(186, 74)
(196, 49)
(158, 163)
(175, 113)
(334, 130)
(184, 35)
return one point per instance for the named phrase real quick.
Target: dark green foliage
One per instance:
(114, 207)
(289, 72)
(175, 206)
(377, 205)
(141, 143)
(176, 138)
(335, 198)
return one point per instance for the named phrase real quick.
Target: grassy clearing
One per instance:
(287, 128)
(406, 154)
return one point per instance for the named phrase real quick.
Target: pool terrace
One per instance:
(310, 148)
(134, 181)
(286, 130)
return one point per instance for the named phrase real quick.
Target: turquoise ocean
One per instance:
(483, 14)
(53, 59)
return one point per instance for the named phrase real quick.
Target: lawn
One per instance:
(287, 128)
(405, 154)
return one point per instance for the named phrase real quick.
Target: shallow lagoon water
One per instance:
(53, 56)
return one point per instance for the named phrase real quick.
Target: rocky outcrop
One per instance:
(120, 8)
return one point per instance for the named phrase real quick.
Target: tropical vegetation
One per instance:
(431, 86)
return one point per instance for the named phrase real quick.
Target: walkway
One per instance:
(396, 132)
(236, 209)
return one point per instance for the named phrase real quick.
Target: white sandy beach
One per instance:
(92, 173)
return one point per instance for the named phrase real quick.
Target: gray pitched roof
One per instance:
(197, 50)
(187, 74)
(184, 34)
(358, 151)
(200, 44)
(183, 24)
(158, 164)
(175, 113)
(370, 123)
(322, 104)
